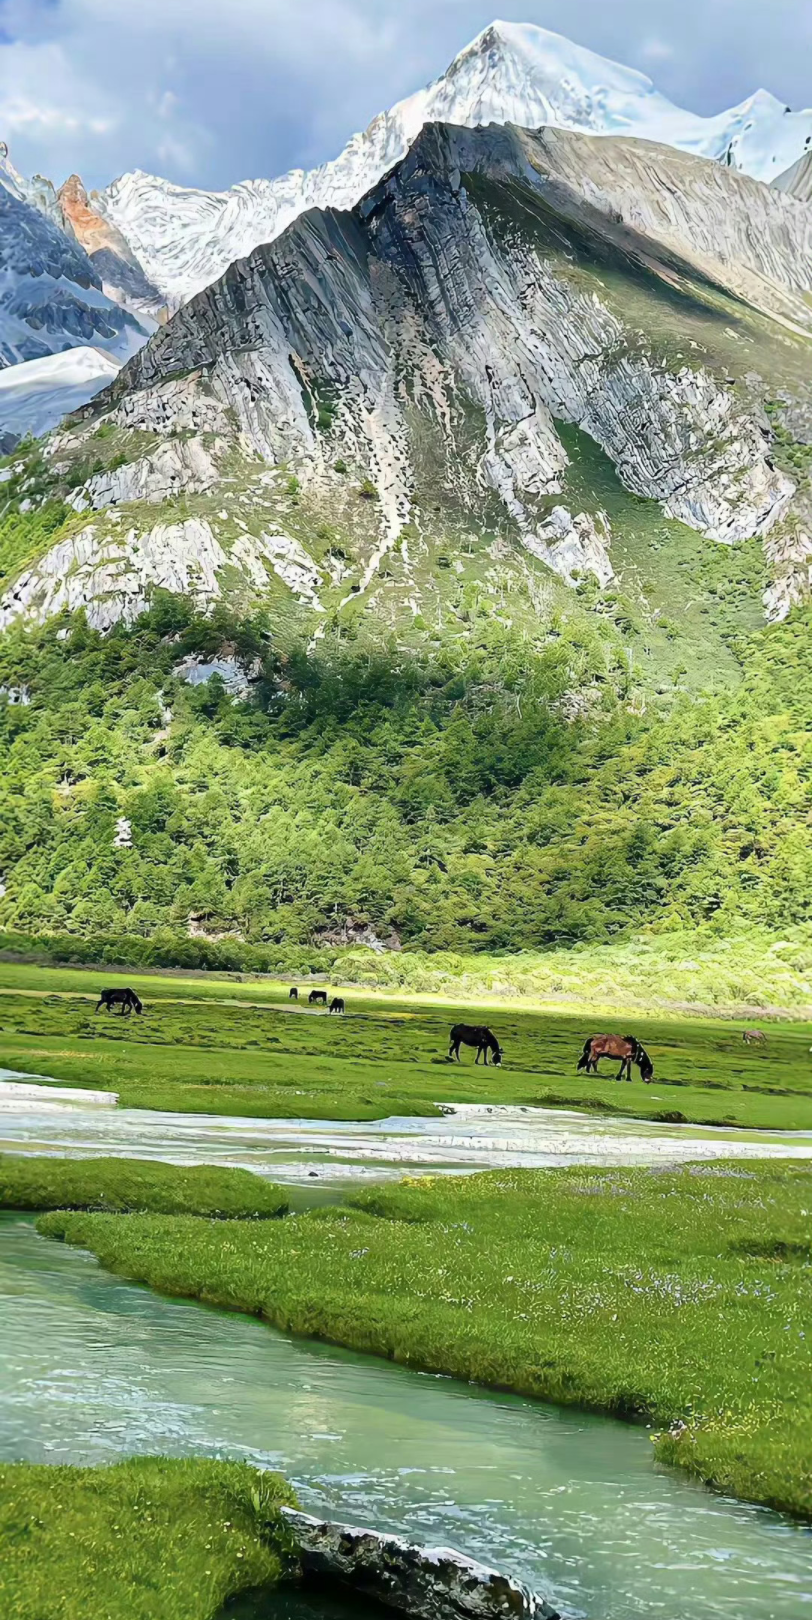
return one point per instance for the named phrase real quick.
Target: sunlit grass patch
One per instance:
(133, 1185)
(147, 1538)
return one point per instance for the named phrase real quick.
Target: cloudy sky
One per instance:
(212, 91)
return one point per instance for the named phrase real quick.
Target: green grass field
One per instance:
(148, 1539)
(127, 1186)
(232, 1048)
(683, 1298)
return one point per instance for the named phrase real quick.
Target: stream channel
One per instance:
(93, 1368)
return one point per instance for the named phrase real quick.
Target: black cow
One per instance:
(318, 996)
(293, 995)
(337, 1004)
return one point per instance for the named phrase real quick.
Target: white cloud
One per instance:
(41, 96)
(656, 50)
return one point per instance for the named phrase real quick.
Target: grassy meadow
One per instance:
(241, 1049)
(682, 1298)
(143, 1539)
(131, 1186)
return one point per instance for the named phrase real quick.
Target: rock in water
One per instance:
(428, 1583)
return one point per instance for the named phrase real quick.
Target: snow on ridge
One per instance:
(511, 73)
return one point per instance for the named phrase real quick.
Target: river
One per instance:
(93, 1368)
(471, 1137)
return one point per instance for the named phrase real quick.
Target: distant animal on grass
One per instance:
(293, 995)
(318, 996)
(126, 1001)
(625, 1047)
(754, 1037)
(475, 1035)
(337, 1004)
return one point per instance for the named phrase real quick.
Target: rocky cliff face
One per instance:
(430, 360)
(464, 290)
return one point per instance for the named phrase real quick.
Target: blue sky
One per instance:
(212, 91)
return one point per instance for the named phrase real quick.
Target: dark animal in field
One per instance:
(625, 1047)
(293, 995)
(754, 1037)
(125, 1000)
(337, 1004)
(316, 996)
(475, 1035)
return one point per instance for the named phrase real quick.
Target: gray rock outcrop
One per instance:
(426, 1583)
(179, 466)
(111, 572)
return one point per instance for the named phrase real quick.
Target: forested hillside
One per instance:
(476, 797)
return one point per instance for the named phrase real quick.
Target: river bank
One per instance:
(681, 1297)
(92, 1368)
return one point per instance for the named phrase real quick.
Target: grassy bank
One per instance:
(144, 1539)
(136, 1186)
(244, 1049)
(682, 1298)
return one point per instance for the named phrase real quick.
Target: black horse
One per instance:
(337, 1004)
(125, 1000)
(475, 1035)
(318, 996)
(293, 995)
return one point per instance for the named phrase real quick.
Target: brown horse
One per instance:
(625, 1047)
(475, 1035)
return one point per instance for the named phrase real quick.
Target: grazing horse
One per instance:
(625, 1047)
(475, 1035)
(316, 996)
(293, 995)
(754, 1037)
(125, 1000)
(337, 1004)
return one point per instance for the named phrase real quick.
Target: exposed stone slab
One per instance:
(427, 1583)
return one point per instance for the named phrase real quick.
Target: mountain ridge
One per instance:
(511, 73)
(403, 376)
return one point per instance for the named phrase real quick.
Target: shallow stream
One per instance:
(471, 1137)
(93, 1368)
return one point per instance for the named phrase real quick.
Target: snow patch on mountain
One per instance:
(35, 395)
(511, 73)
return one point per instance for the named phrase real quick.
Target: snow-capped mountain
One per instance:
(39, 193)
(50, 295)
(511, 73)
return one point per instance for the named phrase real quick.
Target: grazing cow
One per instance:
(754, 1037)
(125, 1000)
(337, 1004)
(475, 1035)
(293, 995)
(625, 1047)
(317, 996)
